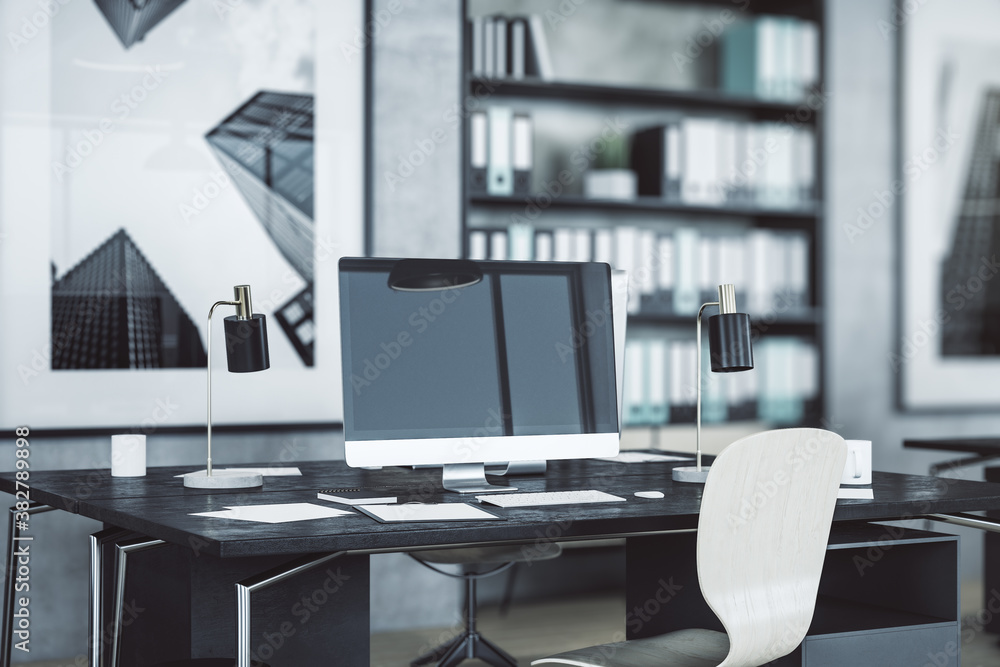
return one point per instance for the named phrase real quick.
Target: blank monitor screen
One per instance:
(527, 351)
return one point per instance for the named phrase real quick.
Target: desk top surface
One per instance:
(981, 446)
(159, 506)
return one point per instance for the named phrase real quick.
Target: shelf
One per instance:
(836, 616)
(807, 214)
(799, 320)
(704, 100)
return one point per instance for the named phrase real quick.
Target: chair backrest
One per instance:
(763, 529)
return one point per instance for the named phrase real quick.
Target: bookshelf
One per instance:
(566, 113)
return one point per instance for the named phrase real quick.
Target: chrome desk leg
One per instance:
(10, 569)
(140, 544)
(246, 588)
(97, 625)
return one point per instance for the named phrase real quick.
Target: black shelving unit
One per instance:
(687, 100)
(803, 216)
(652, 211)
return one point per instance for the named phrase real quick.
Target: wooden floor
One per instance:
(528, 632)
(534, 630)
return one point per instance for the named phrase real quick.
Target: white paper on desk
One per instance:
(644, 457)
(855, 494)
(428, 512)
(276, 513)
(266, 472)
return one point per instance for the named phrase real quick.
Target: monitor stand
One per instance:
(469, 478)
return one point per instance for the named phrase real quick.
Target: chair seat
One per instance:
(487, 555)
(684, 648)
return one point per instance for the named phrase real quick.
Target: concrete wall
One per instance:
(862, 277)
(416, 136)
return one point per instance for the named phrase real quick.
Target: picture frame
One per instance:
(54, 104)
(947, 355)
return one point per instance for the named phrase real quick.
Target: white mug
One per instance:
(128, 455)
(858, 469)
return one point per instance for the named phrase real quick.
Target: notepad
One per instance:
(428, 512)
(275, 513)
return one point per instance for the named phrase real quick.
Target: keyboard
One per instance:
(548, 498)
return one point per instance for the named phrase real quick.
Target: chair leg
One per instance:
(490, 653)
(461, 651)
(508, 591)
(437, 653)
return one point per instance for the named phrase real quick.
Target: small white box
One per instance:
(610, 184)
(128, 455)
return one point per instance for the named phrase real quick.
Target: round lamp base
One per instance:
(223, 479)
(691, 474)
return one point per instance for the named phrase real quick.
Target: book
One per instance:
(522, 153)
(500, 25)
(500, 171)
(521, 237)
(518, 47)
(478, 50)
(478, 244)
(489, 47)
(478, 153)
(540, 60)
(355, 497)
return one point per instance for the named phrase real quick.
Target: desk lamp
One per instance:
(730, 351)
(246, 352)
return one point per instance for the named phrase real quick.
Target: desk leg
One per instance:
(10, 569)
(101, 571)
(991, 561)
(320, 615)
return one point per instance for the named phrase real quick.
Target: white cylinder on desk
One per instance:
(128, 455)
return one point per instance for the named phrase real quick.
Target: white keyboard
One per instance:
(548, 498)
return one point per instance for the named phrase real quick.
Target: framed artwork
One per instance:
(154, 155)
(948, 354)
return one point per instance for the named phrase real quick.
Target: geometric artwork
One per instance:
(974, 330)
(132, 19)
(944, 196)
(112, 310)
(266, 147)
(158, 153)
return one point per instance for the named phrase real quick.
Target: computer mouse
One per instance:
(649, 494)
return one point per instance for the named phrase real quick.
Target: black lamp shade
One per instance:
(246, 344)
(729, 343)
(429, 275)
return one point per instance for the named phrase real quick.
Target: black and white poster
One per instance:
(154, 157)
(949, 348)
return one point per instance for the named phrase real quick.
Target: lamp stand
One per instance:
(221, 479)
(696, 474)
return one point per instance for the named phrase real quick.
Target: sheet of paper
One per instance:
(276, 513)
(428, 512)
(266, 472)
(847, 493)
(643, 457)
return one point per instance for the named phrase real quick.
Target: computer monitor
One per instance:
(460, 363)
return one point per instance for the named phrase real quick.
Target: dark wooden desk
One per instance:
(978, 451)
(206, 556)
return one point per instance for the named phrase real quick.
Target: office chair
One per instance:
(469, 644)
(758, 568)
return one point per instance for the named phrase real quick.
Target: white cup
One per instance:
(128, 455)
(858, 469)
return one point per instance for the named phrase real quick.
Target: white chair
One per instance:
(763, 528)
